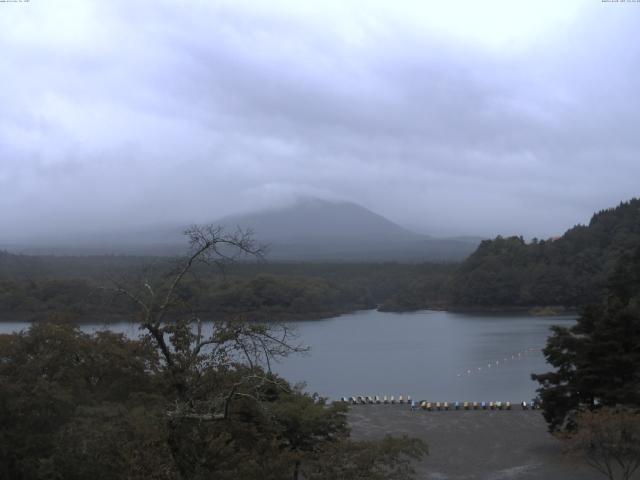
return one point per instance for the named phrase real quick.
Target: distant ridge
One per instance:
(316, 229)
(310, 229)
(313, 219)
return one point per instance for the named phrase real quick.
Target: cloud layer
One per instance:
(486, 118)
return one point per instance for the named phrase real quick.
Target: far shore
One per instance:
(535, 310)
(90, 318)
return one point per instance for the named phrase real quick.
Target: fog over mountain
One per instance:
(309, 228)
(315, 229)
(312, 219)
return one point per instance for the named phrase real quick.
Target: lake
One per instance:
(434, 355)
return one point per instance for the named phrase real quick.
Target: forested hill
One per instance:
(570, 271)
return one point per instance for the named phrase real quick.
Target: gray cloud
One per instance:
(115, 113)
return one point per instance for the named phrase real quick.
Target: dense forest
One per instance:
(597, 360)
(570, 271)
(34, 286)
(261, 298)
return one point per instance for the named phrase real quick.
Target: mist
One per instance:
(473, 120)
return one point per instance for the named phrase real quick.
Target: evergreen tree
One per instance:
(571, 270)
(597, 360)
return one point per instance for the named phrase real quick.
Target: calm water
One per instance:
(428, 354)
(431, 355)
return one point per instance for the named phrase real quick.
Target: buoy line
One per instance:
(498, 362)
(438, 406)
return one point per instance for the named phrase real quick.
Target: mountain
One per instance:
(572, 270)
(315, 220)
(315, 229)
(308, 230)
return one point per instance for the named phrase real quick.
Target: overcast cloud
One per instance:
(457, 117)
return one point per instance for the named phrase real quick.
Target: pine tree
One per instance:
(597, 360)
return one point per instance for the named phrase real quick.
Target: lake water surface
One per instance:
(434, 355)
(429, 354)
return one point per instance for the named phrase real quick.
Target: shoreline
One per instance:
(534, 310)
(113, 318)
(474, 444)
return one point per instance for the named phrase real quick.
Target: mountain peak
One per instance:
(313, 228)
(316, 219)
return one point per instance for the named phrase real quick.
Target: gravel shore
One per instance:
(474, 445)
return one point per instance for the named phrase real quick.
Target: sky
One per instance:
(451, 118)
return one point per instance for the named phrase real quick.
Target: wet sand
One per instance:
(474, 445)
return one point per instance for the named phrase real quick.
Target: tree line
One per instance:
(35, 286)
(571, 270)
(264, 297)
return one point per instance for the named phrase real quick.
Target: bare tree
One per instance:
(609, 441)
(189, 348)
